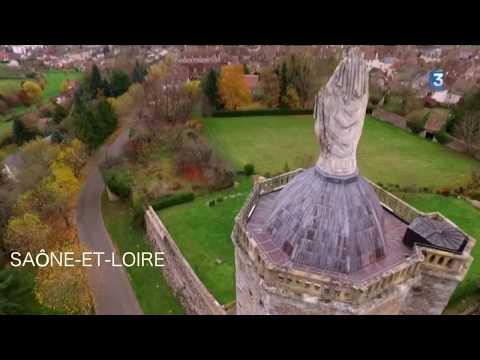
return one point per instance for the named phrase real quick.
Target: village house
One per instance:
(445, 97)
(385, 65)
(4, 56)
(198, 62)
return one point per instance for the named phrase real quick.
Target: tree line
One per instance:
(290, 83)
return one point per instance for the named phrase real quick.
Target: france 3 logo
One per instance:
(436, 81)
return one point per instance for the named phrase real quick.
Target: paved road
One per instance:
(110, 286)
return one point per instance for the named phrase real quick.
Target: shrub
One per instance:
(211, 203)
(139, 214)
(411, 188)
(417, 123)
(7, 138)
(249, 169)
(445, 191)
(59, 113)
(262, 112)
(12, 100)
(370, 108)
(119, 182)
(22, 133)
(3, 106)
(475, 195)
(442, 137)
(46, 110)
(172, 200)
(416, 126)
(57, 136)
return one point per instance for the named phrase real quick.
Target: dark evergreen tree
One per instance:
(21, 133)
(119, 83)
(96, 82)
(14, 290)
(59, 114)
(209, 86)
(139, 72)
(94, 123)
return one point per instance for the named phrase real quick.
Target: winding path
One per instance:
(110, 286)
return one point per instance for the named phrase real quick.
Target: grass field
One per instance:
(54, 80)
(153, 293)
(386, 154)
(202, 233)
(464, 215)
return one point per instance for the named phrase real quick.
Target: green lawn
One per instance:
(386, 154)
(202, 233)
(464, 215)
(150, 287)
(54, 81)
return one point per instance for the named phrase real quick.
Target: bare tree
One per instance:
(468, 129)
(167, 98)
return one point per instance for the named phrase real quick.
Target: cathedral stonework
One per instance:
(325, 240)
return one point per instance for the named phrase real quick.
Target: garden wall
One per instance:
(392, 118)
(460, 146)
(187, 287)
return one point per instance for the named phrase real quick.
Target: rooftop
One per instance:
(395, 251)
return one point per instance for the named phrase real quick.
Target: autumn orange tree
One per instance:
(233, 88)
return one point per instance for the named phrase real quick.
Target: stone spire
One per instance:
(339, 114)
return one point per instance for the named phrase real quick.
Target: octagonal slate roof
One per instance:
(327, 222)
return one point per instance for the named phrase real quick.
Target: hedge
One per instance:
(442, 137)
(262, 112)
(172, 200)
(119, 182)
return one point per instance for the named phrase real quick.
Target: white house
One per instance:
(444, 97)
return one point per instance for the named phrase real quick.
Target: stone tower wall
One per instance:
(258, 296)
(441, 272)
